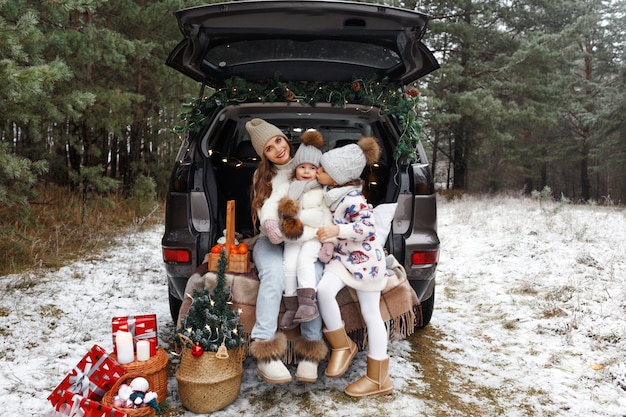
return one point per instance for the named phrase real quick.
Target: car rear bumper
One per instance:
(422, 279)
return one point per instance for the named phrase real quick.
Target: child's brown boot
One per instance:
(291, 306)
(342, 353)
(375, 382)
(307, 305)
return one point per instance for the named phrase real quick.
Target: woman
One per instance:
(271, 183)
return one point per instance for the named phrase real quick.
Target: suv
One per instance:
(339, 67)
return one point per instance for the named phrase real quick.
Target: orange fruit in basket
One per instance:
(233, 248)
(243, 248)
(216, 249)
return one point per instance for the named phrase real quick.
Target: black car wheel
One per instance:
(175, 304)
(428, 305)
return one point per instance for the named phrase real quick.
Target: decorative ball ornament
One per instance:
(135, 395)
(140, 384)
(197, 351)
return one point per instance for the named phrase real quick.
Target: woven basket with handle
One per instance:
(154, 370)
(131, 412)
(209, 382)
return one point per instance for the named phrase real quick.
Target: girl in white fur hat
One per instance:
(358, 262)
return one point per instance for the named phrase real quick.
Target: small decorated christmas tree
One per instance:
(210, 322)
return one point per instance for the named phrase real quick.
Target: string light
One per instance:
(387, 96)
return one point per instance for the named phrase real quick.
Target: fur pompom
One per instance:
(313, 138)
(371, 149)
(288, 207)
(292, 227)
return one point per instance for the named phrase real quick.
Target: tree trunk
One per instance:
(114, 155)
(585, 181)
(459, 162)
(433, 163)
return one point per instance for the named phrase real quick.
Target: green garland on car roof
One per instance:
(373, 94)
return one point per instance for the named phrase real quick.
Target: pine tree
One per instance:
(210, 321)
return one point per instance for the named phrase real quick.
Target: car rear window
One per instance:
(249, 51)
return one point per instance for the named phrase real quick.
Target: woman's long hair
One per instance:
(262, 185)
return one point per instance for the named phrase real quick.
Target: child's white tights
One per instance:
(299, 264)
(369, 301)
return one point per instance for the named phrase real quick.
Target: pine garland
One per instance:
(382, 95)
(210, 320)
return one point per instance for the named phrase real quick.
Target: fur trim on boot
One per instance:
(309, 353)
(312, 350)
(268, 353)
(266, 350)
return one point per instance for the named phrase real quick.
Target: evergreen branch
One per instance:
(384, 95)
(210, 321)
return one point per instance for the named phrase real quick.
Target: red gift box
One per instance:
(74, 405)
(91, 378)
(142, 327)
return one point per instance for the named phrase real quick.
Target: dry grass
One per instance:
(60, 225)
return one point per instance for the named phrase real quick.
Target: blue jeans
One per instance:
(268, 259)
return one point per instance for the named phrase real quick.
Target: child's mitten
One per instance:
(326, 252)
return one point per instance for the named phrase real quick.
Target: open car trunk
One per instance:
(301, 41)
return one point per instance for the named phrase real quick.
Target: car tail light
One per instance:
(425, 258)
(421, 180)
(180, 178)
(181, 256)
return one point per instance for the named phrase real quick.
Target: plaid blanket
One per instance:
(399, 305)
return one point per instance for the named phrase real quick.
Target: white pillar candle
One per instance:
(143, 350)
(124, 344)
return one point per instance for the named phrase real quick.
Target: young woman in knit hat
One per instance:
(358, 262)
(271, 183)
(303, 210)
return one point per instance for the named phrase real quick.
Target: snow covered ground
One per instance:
(530, 320)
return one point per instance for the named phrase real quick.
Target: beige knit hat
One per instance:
(260, 132)
(347, 163)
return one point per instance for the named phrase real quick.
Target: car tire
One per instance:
(175, 305)
(428, 305)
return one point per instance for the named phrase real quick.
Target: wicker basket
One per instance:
(154, 370)
(131, 412)
(208, 383)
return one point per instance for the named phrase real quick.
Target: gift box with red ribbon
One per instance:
(91, 378)
(142, 327)
(74, 405)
